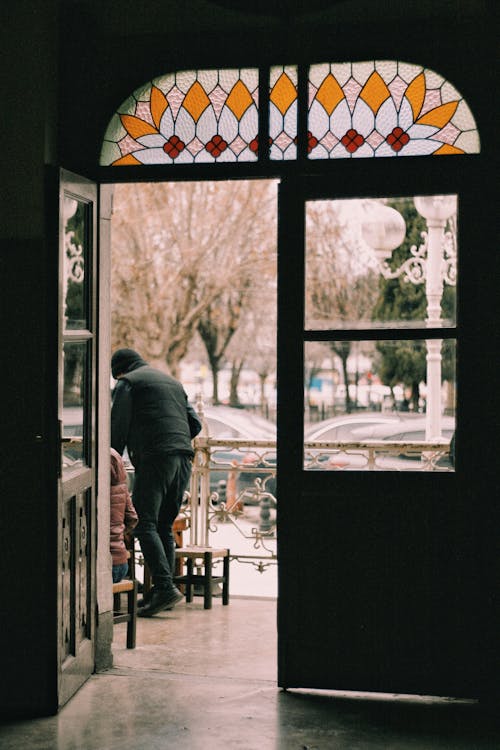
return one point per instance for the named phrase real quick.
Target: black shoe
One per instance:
(146, 599)
(160, 600)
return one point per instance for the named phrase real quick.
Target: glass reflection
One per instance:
(74, 390)
(75, 253)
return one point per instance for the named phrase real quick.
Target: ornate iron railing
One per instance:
(234, 482)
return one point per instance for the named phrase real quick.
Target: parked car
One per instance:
(344, 428)
(357, 428)
(223, 422)
(408, 431)
(226, 423)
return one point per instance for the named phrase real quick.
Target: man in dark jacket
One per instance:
(151, 416)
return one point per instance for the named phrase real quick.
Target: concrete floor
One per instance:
(206, 679)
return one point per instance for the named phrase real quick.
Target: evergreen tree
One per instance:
(400, 301)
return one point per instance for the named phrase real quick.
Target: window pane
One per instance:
(374, 264)
(383, 391)
(75, 428)
(385, 108)
(76, 241)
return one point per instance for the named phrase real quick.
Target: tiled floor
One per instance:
(206, 679)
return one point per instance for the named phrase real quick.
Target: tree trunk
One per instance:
(415, 396)
(236, 369)
(348, 402)
(262, 381)
(214, 368)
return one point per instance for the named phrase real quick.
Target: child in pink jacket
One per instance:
(123, 516)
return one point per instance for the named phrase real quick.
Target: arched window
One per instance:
(363, 109)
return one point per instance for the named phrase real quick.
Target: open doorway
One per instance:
(193, 289)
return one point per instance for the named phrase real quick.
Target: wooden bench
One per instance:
(203, 558)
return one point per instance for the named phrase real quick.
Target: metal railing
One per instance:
(233, 482)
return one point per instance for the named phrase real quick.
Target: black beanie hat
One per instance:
(124, 360)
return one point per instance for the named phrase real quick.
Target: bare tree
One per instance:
(177, 248)
(217, 327)
(255, 341)
(222, 319)
(341, 288)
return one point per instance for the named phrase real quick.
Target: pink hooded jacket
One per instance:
(123, 516)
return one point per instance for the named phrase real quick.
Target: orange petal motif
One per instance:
(196, 101)
(126, 160)
(374, 92)
(239, 100)
(439, 116)
(415, 93)
(447, 148)
(283, 93)
(136, 127)
(158, 105)
(329, 94)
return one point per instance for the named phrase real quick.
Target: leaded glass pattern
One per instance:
(187, 117)
(283, 112)
(362, 109)
(386, 108)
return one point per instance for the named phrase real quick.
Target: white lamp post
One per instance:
(436, 210)
(384, 230)
(433, 263)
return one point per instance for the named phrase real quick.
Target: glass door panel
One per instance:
(76, 260)
(77, 386)
(75, 421)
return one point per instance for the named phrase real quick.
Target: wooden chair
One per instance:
(130, 587)
(130, 616)
(179, 526)
(203, 558)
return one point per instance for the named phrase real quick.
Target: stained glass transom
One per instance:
(283, 113)
(187, 117)
(363, 109)
(386, 108)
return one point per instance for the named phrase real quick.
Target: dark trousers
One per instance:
(159, 485)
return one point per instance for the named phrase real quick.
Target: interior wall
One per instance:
(28, 295)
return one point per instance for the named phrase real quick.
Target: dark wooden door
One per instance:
(77, 407)
(381, 573)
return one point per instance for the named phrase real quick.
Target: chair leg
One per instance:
(225, 581)
(132, 613)
(189, 585)
(207, 590)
